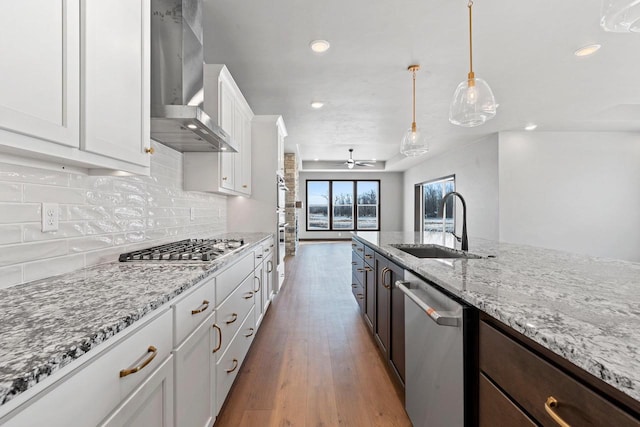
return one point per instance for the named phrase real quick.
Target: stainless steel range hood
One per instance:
(177, 84)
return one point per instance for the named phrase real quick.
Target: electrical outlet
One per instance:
(193, 214)
(50, 216)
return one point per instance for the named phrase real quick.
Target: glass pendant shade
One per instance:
(473, 103)
(620, 16)
(414, 142)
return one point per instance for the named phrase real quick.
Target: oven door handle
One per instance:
(441, 318)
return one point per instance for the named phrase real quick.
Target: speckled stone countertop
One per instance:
(44, 325)
(582, 308)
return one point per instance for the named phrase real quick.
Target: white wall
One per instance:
(391, 208)
(100, 217)
(475, 167)
(578, 192)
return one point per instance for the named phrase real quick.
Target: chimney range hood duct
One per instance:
(177, 84)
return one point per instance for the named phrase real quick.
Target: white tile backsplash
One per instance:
(100, 217)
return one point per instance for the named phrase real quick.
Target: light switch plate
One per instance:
(50, 216)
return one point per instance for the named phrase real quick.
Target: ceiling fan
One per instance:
(351, 163)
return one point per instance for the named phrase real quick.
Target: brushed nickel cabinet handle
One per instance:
(550, 406)
(368, 256)
(149, 150)
(354, 285)
(353, 263)
(139, 365)
(252, 331)
(269, 266)
(248, 295)
(360, 270)
(259, 256)
(367, 268)
(235, 366)
(203, 307)
(234, 317)
(360, 249)
(244, 186)
(217, 328)
(360, 296)
(224, 178)
(384, 282)
(259, 284)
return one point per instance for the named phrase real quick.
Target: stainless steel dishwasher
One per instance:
(434, 342)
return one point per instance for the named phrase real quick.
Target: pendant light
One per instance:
(414, 142)
(473, 102)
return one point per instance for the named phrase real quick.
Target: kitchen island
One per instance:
(48, 326)
(584, 309)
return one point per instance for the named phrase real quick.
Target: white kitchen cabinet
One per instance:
(115, 79)
(195, 383)
(226, 173)
(75, 84)
(268, 278)
(39, 90)
(260, 294)
(150, 405)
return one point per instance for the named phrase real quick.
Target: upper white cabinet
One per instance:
(39, 90)
(115, 79)
(227, 173)
(75, 83)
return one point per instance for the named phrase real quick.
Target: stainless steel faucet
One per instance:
(465, 239)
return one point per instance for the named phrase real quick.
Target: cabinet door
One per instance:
(259, 294)
(195, 378)
(150, 405)
(226, 111)
(39, 88)
(396, 349)
(383, 303)
(115, 79)
(269, 277)
(242, 166)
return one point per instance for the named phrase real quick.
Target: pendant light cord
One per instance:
(414, 100)
(471, 75)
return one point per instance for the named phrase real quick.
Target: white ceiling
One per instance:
(524, 50)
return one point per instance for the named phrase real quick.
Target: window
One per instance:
(343, 205)
(428, 198)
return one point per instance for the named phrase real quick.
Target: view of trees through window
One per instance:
(432, 193)
(343, 205)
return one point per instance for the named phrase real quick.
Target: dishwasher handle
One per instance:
(442, 319)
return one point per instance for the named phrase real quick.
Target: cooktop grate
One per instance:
(185, 250)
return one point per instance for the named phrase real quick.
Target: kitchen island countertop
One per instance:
(582, 308)
(47, 324)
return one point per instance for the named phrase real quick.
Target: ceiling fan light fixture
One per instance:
(473, 101)
(350, 165)
(316, 105)
(414, 143)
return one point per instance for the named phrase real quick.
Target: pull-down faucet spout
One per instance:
(465, 239)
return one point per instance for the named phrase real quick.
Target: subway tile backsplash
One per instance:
(100, 217)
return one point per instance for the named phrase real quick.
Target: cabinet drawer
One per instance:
(268, 247)
(228, 366)
(497, 410)
(358, 247)
(369, 256)
(229, 279)
(232, 312)
(258, 252)
(191, 310)
(357, 268)
(96, 389)
(530, 380)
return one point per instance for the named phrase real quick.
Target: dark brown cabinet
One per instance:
(369, 294)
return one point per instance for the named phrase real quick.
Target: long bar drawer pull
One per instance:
(235, 366)
(248, 335)
(234, 317)
(203, 307)
(259, 284)
(140, 363)
(217, 328)
(550, 406)
(442, 319)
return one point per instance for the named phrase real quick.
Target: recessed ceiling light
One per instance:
(316, 159)
(373, 160)
(192, 126)
(223, 148)
(531, 126)
(319, 46)
(587, 50)
(317, 104)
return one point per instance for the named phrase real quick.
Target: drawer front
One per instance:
(497, 410)
(229, 279)
(258, 253)
(268, 247)
(358, 292)
(97, 389)
(228, 366)
(191, 310)
(232, 312)
(357, 267)
(369, 256)
(530, 380)
(357, 247)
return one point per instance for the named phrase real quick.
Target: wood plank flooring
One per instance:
(313, 361)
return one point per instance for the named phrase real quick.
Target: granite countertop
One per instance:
(582, 308)
(46, 324)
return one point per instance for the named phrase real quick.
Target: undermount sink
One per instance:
(434, 251)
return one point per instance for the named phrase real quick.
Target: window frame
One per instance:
(331, 205)
(419, 202)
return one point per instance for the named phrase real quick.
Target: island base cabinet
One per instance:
(496, 410)
(195, 378)
(151, 405)
(229, 364)
(530, 381)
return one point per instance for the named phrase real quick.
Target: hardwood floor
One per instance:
(313, 361)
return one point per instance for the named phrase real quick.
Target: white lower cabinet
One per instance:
(195, 377)
(150, 405)
(268, 278)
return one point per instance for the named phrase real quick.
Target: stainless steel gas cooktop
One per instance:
(185, 250)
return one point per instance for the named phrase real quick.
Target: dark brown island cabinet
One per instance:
(381, 304)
